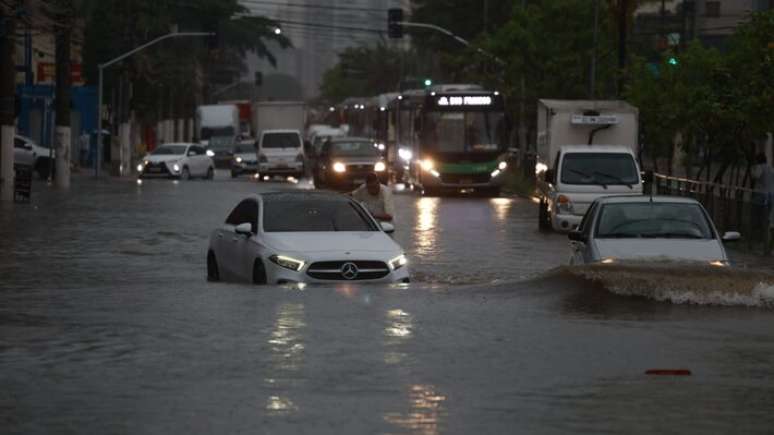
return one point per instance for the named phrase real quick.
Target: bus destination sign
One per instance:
(467, 100)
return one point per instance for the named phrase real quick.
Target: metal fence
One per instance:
(732, 208)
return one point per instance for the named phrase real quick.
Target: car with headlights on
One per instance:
(344, 163)
(177, 160)
(304, 237)
(642, 228)
(244, 160)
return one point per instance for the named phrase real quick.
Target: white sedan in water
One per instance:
(177, 160)
(304, 237)
(636, 228)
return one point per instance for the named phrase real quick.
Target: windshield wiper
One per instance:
(616, 178)
(583, 174)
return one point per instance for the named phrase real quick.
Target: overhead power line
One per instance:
(308, 6)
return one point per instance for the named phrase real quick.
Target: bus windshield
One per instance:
(464, 132)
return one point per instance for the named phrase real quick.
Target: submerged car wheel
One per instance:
(259, 272)
(186, 174)
(210, 174)
(212, 267)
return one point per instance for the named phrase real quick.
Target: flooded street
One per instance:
(108, 326)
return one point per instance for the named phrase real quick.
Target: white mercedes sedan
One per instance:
(304, 237)
(641, 228)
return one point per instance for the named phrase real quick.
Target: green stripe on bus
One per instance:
(468, 168)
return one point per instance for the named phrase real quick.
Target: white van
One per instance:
(281, 152)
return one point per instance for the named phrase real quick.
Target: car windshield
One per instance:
(458, 132)
(314, 215)
(243, 149)
(354, 149)
(170, 150)
(653, 220)
(280, 140)
(599, 168)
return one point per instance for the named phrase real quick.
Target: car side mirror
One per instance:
(577, 236)
(387, 227)
(244, 229)
(548, 176)
(731, 236)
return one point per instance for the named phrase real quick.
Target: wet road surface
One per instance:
(107, 325)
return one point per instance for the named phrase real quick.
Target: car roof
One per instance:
(174, 144)
(630, 199)
(350, 139)
(281, 130)
(596, 148)
(301, 195)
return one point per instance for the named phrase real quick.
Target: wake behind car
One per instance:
(177, 160)
(304, 237)
(640, 228)
(344, 163)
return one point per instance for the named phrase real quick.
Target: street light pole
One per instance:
(107, 64)
(459, 39)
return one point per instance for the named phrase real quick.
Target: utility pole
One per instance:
(522, 107)
(623, 8)
(593, 72)
(63, 90)
(7, 98)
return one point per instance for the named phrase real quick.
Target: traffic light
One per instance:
(394, 18)
(672, 60)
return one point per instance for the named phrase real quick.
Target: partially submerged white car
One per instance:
(304, 237)
(640, 228)
(177, 160)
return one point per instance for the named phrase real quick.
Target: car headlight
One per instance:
(238, 160)
(287, 262)
(608, 260)
(176, 167)
(540, 167)
(210, 153)
(339, 167)
(564, 203)
(427, 165)
(719, 263)
(380, 167)
(140, 167)
(405, 154)
(398, 262)
(502, 166)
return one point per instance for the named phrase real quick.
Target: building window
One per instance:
(713, 9)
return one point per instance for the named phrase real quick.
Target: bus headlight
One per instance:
(427, 165)
(502, 166)
(339, 167)
(380, 167)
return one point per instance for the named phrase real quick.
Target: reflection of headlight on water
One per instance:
(540, 167)
(405, 154)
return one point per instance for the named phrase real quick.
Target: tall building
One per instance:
(319, 31)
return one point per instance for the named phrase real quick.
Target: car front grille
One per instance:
(159, 168)
(465, 178)
(356, 169)
(335, 270)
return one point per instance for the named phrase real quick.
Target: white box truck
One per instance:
(217, 120)
(280, 146)
(585, 149)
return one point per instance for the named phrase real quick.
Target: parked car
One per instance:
(177, 160)
(28, 152)
(344, 162)
(304, 237)
(281, 152)
(635, 228)
(244, 160)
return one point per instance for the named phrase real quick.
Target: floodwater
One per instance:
(108, 326)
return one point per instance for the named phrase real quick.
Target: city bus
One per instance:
(455, 136)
